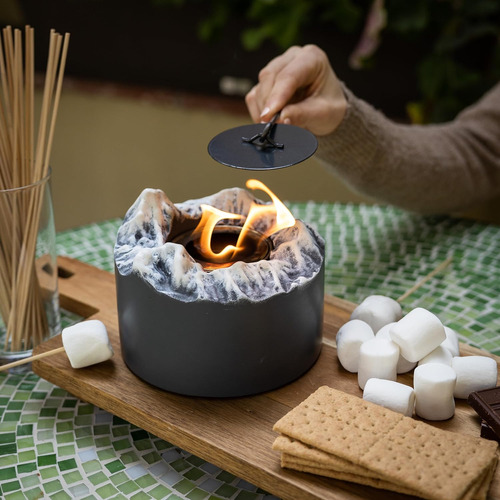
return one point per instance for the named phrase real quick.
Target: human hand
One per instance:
(302, 84)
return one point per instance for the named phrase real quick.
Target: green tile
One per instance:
(122, 430)
(179, 465)
(85, 442)
(11, 486)
(49, 472)
(66, 450)
(114, 466)
(119, 478)
(91, 466)
(226, 491)
(68, 464)
(121, 444)
(46, 423)
(66, 437)
(8, 449)
(184, 486)
(30, 481)
(7, 473)
(246, 495)
(61, 495)
(106, 491)
(197, 494)
(139, 435)
(83, 420)
(7, 437)
(143, 444)
(64, 426)
(58, 393)
(38, 395)
(98, 478)
(17, 495)
(34, 494)
(26, 456)
(160, 492)
(107, 454)
(129, 457)
(48, 412)
(8, 426)
(51, 487)
(85, 409)
(15, 406)
(141, 495)
(44, 448)
(194, 460)
(29, 418)
(12, 416)
(152, 457)
(25, 468)
(102, 442)
(46, 460)
(82, 432)
(145, 481)
(72, 477)
(128, 487)
(194, 474)
(102, 429)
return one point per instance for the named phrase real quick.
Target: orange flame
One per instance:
(211, 216)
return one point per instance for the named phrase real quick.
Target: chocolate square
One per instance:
(486, 403)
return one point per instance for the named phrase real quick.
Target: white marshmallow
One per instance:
(404, 366)
(377, 311)
(451, 342)
(434, 384)
(349, 338)
(474, 373)
(378, 358)
(389, 394)
(439, 355)
(418, 333)
(86, 343)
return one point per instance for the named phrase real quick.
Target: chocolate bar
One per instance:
(486, 403)
(488, 433)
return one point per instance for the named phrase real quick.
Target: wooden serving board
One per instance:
(235, 434)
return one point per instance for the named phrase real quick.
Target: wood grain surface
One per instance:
(234, 434)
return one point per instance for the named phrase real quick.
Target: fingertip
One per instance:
(265, 111)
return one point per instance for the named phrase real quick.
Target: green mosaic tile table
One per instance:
(53, 445)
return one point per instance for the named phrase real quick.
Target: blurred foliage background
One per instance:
(460, 39)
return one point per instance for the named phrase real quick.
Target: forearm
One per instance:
(429, 169)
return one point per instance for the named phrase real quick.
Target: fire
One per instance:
(212, 216)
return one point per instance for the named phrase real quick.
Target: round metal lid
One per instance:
(262, 147)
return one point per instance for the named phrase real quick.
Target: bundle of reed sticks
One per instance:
(25, 148)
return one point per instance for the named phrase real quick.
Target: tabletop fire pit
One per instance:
(218, 297)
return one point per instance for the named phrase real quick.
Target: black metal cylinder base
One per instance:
(211, 349)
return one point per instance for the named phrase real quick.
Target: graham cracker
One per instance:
(477, 491)
(299, 450)
(399, 450)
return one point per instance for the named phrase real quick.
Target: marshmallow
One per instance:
(389, 394)
(378, 358)
(474, 373)
(86, 343)
(434, 384)
(377, 311)
(451, 342)
(349, 338)
(418, 333)
(404, 366)
(439, 355)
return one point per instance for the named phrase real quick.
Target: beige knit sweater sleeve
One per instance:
(428, 169)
